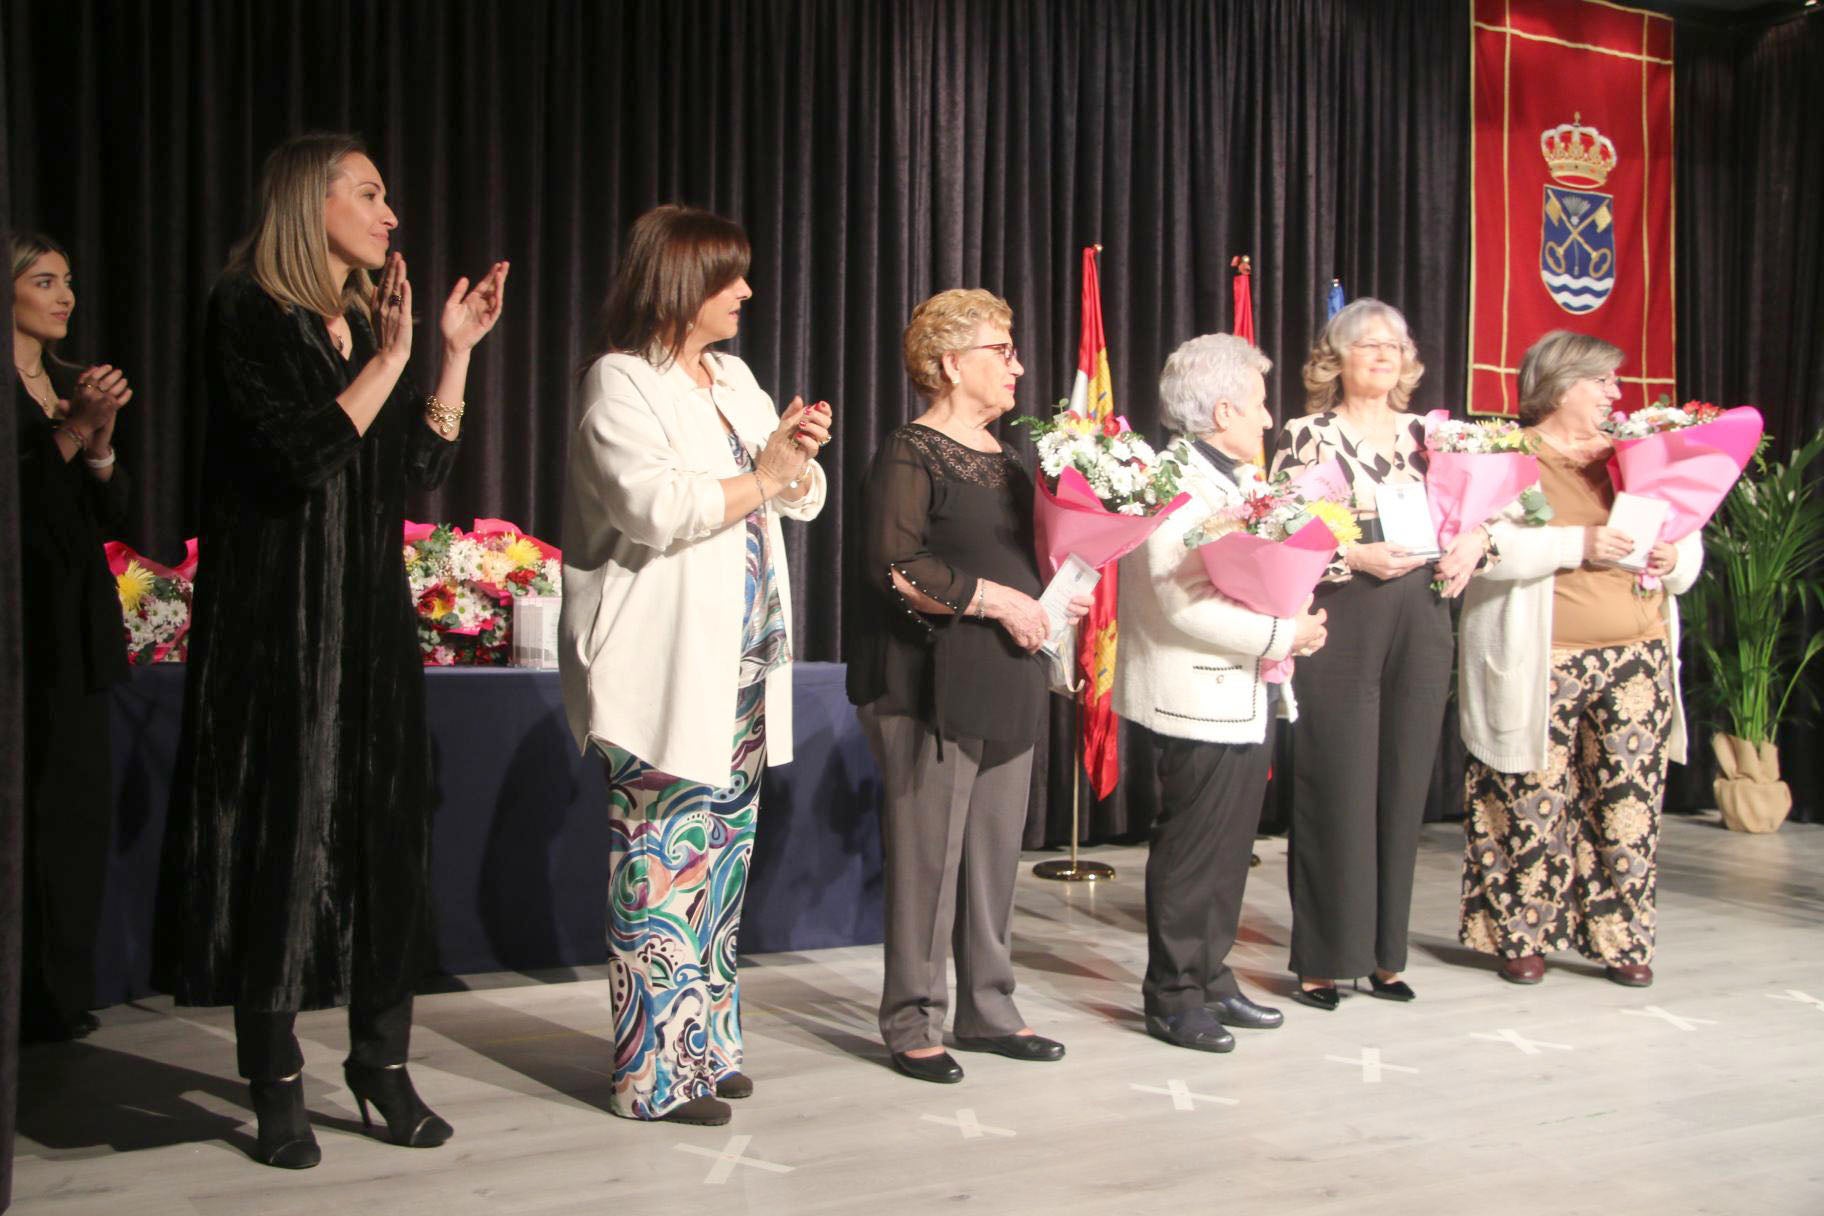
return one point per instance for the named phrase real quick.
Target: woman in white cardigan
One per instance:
(675, 649)
(1190, 673)
(1569, 697)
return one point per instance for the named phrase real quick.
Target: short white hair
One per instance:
(1202, 372)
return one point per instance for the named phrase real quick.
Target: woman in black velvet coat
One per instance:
(72, 498)
(296, 869)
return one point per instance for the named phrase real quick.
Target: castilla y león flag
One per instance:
(1571, 190)
(1093, 395)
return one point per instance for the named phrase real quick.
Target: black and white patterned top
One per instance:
(1316, 438)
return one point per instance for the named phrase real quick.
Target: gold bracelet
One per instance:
(443, 417)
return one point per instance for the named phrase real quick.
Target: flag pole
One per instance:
(1058, 869)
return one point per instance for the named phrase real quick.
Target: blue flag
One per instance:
(1334, 301)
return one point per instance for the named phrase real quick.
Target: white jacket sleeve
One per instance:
(638, 477)
(1192, 604)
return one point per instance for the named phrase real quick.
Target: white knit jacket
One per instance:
(1188, 660)
(1504, 642)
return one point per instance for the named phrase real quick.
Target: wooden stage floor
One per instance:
(1702, 1094)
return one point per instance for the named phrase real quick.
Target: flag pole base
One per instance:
(1066, 870)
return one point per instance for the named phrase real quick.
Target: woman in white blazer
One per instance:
(1567, 682)
(1190, 672)
(675, 649)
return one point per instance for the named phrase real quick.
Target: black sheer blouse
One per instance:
(946, 516)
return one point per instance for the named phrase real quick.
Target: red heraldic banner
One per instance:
(1098, 634)
(1571, 190)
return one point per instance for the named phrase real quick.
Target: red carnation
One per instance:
(1111, 426)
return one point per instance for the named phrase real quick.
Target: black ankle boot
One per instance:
(285, 1137)
(409, 1122)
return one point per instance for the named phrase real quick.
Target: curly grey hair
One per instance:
(1202, 372)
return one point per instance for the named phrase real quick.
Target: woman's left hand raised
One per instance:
(469, 314)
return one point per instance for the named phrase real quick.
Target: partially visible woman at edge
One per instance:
(676, 644)
(297, 856)
(72, 497)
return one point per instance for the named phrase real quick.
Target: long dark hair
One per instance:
(26, 248)
(676, 258)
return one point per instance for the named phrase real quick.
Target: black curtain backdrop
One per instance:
(876, 153)
(1750, 140)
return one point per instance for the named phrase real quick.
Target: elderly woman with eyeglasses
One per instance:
(1371, 702)
(1568, 690)
(951, 689)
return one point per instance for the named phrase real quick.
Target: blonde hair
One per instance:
(28, 247)
(945, 324)
(287, 253)
(1324, 368)
(1554, 363)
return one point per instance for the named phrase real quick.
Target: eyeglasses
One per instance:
(1010, 354)
(1376, 348)
(1609, 381)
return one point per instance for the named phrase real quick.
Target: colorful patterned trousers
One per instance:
(678, 856)
(1565, 857)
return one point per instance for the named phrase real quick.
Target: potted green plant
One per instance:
(1763, 552)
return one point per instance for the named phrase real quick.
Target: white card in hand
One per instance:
(1641, 518)
(1406, 518)
(1075, 577)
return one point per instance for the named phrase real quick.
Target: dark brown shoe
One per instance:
(700, 1112)
(1527, 969)
(1630, 975)
(735, 1085)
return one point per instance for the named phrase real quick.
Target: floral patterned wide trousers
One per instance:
(1565, 857)
(679, 854)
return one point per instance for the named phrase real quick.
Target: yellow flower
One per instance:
(524, 553)
(1338, 518)
(134, 584)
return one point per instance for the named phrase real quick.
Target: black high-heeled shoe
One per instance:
(409, 1122)
(1325, 998)
(285, 1140)
(1388, 990)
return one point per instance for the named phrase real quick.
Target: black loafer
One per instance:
(1015, 1046)
(940, 1068)
(1324, 998)
(1239, 1011)
(1196, 1029)
(1390, 990)
(735, 1085)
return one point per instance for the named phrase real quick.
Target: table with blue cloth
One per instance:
(519, 847)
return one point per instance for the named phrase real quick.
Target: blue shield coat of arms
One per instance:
(1577, 248)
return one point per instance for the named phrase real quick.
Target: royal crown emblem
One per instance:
(1577, 155)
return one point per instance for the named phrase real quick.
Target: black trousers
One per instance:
(1370, 709)
(69, 828)
(267, 1050)
(1209, 807)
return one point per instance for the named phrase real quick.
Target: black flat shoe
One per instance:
(1196, 1029)
(1389, 990)
(940, 1068)
(1239, 1011)
(409, 1122)
(1324, 998)
(285, 1140)
(1015, 1046)
(698, 1112)
(735, 1085)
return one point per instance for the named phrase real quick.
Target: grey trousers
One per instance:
(950, 835)
(1370, 710)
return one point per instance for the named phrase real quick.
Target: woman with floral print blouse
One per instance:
(1372, 701)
